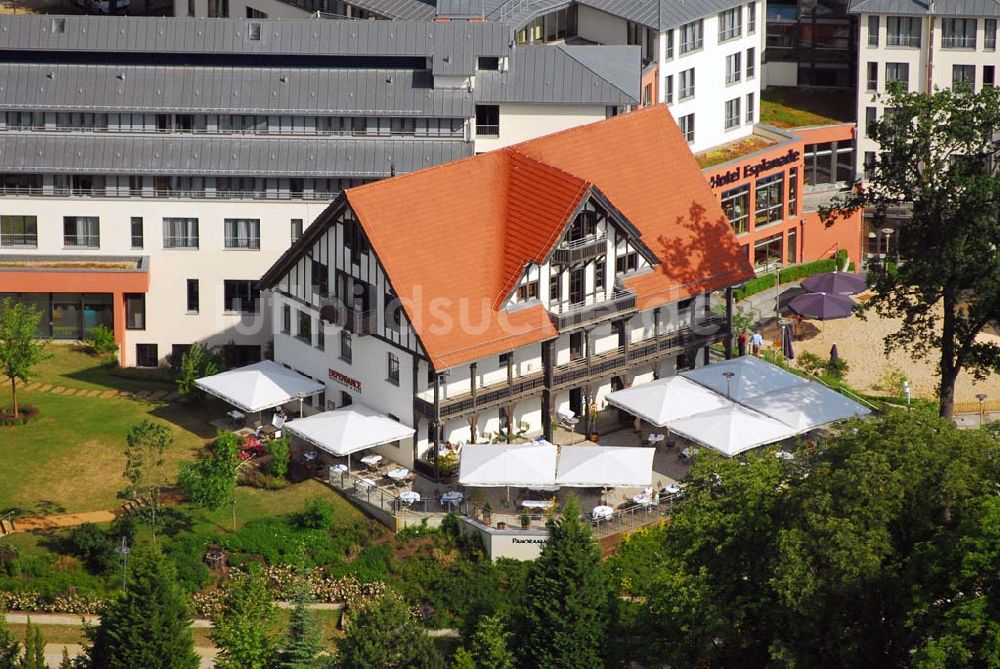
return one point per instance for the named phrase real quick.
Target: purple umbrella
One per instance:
(840, 283)
(822, 306)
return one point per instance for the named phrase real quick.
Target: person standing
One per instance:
(741, 342)
(756, 341)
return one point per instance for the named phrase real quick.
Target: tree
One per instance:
(10, 648)
(196, 362)
(567, 599)
(34, 649)
(490, 644)
(242, 628)
(148, 626)
(938, 152)
(385, 635)
(462, 659)
(19, 350)
(304, 643)
(211, 481)
(66, 662)
(145, 448)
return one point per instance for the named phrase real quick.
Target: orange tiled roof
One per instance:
(455, 239)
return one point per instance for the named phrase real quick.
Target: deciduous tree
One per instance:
(20, 351)
(243, 627)
(211, 481)
(939, 153)
(490, 644)
(145, 455)
(386, 635)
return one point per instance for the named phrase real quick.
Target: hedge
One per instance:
(787, 275)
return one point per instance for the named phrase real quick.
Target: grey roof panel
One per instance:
(990, 8)
(656, 14)
(111, 88)
(545, 74)
(400, 10)
(461, 9)
(222, 156)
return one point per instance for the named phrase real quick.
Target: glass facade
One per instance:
(68, 315)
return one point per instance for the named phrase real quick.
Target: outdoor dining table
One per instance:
(452, 497)
(371, 460)
(602, 512)
(409, 497)
(398, 474)
(644, 499)
(364, 484)
(784, 455)
(537, 504)
(339, 469)
(654, 439)
(674, 489)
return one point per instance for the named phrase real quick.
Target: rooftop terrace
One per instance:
(787, 107)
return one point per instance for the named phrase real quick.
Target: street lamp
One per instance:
(729, 377)
(906, 392)
(872, 244)
(982, 399)
(124, 550)
(888, 233)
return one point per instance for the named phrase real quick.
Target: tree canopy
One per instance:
(386, 635)
(881, 551)
(243, 627)
(211, 481)
(938, 155)
(20, 351)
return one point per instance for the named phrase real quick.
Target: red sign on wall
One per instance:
(344, 380)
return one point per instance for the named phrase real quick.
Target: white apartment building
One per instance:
(488, 297)
(152, 169)
(925, 47)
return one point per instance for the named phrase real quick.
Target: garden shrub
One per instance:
(786, 275)
(101, 340)
(256, 478)
(197, 362)
(187, 552)
(318, 514)
(372, 563)
(95, 546)
(26, 414)
(280, 451)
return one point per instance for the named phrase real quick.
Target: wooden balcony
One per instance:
(579, 251)
(486, 397)
(574, 316)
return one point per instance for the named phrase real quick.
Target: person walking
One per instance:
(741, 342)
(756, 341)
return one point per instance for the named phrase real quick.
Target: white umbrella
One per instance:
(605, 466)
(348, 430)
(750, 376)
(663, 400)
(262, 385)
(806, 407)
(732, 430)
(496, 465)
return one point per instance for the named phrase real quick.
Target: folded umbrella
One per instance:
(822, 306)
(841, 283)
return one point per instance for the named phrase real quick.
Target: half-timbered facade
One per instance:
(494, 295)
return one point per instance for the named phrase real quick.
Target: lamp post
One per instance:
(124, 550)
(888, 233)
(906, 392)
(729, 377)
(982, 399)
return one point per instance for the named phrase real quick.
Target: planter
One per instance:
(594, 437)
(501, 525)
(525, 522)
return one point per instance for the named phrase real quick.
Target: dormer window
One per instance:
(488, 63)
(584, 226)
(626, 262)
(58, 25)
(527, 291)
(253, 34)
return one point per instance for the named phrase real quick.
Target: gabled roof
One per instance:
(451, 238)
(923, 8)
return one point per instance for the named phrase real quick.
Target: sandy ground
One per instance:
(861, 343)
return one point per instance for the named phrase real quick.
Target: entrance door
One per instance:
(577, 285)
(576, 401)
(575, 345)
(618, 384)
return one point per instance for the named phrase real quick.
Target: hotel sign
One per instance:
(753, 169)
(344, 380)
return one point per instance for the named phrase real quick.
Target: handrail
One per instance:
(125, 192)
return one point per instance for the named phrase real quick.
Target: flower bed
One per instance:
(35, 602)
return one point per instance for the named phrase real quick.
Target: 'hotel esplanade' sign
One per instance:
(753, 169)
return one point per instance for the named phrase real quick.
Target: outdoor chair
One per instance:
(273, 431)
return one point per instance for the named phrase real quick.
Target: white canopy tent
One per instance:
(493, 465)
(807, 406)
(348, 430)
(732, 430)
(605, 466)
(663, 400)
(262, 385)
(751, 377)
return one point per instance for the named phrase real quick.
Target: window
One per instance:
(793, 247)
(242, 233)
(751, 64)
(58, 26)
(19, 231)
(628, 261)
(600, 271)
(898, 73)
(147, 355)
(669, 35)
(734, 69)
(527, 291)
(296, 229)
(793, 191)
(135, 311)
(320, 337)
(82, 231)
(490, 63)
(346, 353)
(192, 296)
(304, 331)
(829, 162)
(686, 85)
(730, 24)
(487, 120)
(963, 78)
(354, 240)
(751, 111)
(869, 164)
(137, 240)
(732, 113)
(692, 36)
(190, 7)
(393, 310)
(903, 31)
(253, 32)
(990, 34)
(873, 29)
(687, 127)
(871, 115)
(669, 86)
(647, 95)
(989, 74)
(555, 288)
(751, 18)
(767, 252)
(769, 198)
(958, 33)
(240, 295)
(872, 78)
(286, 319)
(393, 369)
(180, 233)
(736, 205)
(345, 399)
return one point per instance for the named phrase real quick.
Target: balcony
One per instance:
(581, 250)
(486, 397)
(355, 321)
(573, 316)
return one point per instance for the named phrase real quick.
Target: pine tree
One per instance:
(304, 641)
(148, 626)
(490, 648)
(568, 599)
(66, 662)
(34, 648)
(10, 647)
(386, 635)
(242, 629)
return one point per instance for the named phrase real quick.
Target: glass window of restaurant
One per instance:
(769, 199)
(767, 253)
(736, 204)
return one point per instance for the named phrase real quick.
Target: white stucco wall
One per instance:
(521, 122)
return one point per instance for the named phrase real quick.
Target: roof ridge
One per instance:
(562, 47)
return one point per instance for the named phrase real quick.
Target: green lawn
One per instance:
(71, 366)
(785, 107)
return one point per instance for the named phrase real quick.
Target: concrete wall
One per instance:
(596, 26)
(510, 544)
(521, 122)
